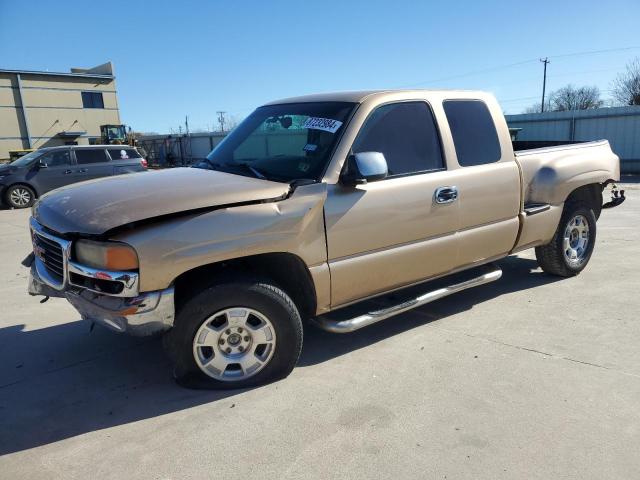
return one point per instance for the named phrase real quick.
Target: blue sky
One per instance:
(194, 58)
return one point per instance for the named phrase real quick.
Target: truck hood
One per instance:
(97, 206)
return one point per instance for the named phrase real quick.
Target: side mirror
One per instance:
(42, 164)
(365, 167)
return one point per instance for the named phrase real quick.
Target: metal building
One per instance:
(619, 125)
(39, 109)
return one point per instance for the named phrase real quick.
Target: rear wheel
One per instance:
(19, 196)
(235, 335)
(572, 245)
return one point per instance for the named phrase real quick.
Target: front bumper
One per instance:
(146, 314)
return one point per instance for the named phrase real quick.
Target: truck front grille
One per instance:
(51, 254)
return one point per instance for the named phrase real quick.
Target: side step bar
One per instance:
(358, 322)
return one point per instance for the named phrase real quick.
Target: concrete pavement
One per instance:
(529, 377)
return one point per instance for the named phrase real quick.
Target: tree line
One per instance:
(626, 91)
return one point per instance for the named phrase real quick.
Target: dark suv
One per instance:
(25, 179)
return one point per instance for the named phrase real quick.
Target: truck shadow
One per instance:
(62, 381)
(518, 274)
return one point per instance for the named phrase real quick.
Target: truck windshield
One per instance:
(282, 142)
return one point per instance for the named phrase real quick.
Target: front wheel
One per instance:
(235, 335)
(19, 196)
(572, 245)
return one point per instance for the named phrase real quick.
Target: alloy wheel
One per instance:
(234, 344)
(20, 197)
(576, 240)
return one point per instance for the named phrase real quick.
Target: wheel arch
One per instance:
(590, 194)
(287, 270)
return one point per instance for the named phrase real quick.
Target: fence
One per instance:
(182, 150)
(178, 150)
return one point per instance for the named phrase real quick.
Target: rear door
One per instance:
(125, 160)
(93, 163)
(57, 173)
(488, 180)
(390, 233)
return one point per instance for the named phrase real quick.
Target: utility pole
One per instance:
(544, 80)
(186, 124)
(221, 120)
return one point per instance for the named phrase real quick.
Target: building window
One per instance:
(92, 100)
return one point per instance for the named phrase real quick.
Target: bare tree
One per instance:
(626, 87)
(231, 123)
(536, 108)
(575, 98)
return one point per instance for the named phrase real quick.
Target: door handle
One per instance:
(67, 172)
(446, 194)
(82, 170)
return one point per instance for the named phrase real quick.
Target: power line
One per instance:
(518, 99)
(516, 64)
(594, 52)
(468, 74)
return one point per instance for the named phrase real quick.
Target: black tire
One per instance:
(257, 295)
(11, 200)
(551, 257)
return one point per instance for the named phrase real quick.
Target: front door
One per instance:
(57, 173)
(390, 233)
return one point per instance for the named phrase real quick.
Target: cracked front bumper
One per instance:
(145, 314)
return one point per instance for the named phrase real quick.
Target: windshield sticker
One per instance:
(325, 124)
(310, 147)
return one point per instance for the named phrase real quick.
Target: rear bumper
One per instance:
(617, 197)
(146, 314)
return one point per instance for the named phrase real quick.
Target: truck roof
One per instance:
(360, 95)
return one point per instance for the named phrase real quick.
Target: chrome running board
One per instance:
(356, 323)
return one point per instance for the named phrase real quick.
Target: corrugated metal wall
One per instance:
(619, 125)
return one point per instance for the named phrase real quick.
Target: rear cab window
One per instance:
(117, 154)
(86, 156)
(474, 133)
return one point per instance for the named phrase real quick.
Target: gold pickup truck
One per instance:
(308, 209)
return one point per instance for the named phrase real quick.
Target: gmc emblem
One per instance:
(39, 252)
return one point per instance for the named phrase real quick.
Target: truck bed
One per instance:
(520, 145)
(550, 173)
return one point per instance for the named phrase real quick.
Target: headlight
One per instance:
(106, 255)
